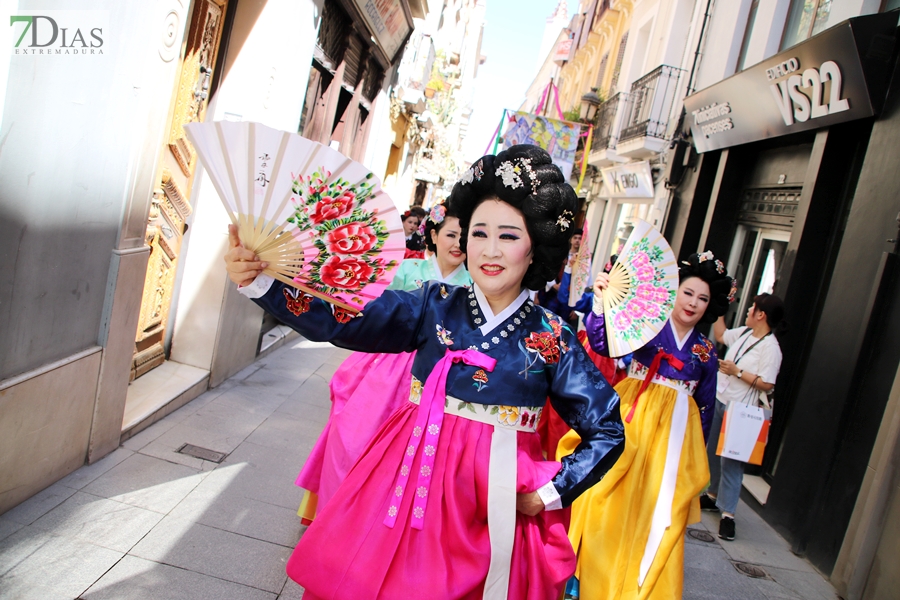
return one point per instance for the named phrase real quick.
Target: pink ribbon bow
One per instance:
(429, 419)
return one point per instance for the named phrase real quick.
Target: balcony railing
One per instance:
(650, 102)
(608, 121)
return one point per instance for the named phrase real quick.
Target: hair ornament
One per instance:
(478, 170)
(509, 173)
(705, 256)
(437, 213)
(564, 221)
(732, 295)
(720, 267)
(467, 177)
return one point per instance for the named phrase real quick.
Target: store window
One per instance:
(748, 33)
(805, 19)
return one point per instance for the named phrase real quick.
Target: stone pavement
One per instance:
(148, 523)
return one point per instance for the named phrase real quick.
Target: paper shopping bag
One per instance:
(745, 431)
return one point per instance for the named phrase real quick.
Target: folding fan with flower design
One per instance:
(581, 269)
(641, 293)
(317, 217)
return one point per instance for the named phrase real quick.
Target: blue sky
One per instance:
(512, 37)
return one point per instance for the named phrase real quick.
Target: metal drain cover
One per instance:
(202, 453)
(750, 570)
(703, 536)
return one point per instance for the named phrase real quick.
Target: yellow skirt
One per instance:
(611, 522)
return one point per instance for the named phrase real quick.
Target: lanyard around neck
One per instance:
(739, 355)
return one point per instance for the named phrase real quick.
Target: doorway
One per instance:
(756, 259)
(171, 204)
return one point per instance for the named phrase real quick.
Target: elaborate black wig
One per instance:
(435, 220)
(524, 177)
(721, 287)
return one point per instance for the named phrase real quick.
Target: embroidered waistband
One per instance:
(520, 418)
(638, 371)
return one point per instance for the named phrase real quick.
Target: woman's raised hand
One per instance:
(242, 265)
(601, 283)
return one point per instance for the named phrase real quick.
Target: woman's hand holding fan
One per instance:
(243, 265)
(304, 213)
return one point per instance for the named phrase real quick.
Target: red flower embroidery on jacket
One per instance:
(297, 302)
(481, 379)
(702, 350)
(545, 344)
(342, 316)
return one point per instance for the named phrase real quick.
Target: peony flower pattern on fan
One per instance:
(348, 238)
(653, 297)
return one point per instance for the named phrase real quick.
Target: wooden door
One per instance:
(171, 205)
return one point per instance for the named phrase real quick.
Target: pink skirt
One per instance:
(365, 390)
(349, 553)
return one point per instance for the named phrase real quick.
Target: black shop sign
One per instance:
(836, 76)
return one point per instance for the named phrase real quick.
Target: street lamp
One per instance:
(589, 104)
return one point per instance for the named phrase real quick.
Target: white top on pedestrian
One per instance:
(751, 354)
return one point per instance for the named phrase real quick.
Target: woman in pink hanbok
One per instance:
(367, 388)
(452, 498)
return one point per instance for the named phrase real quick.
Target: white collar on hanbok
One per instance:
(489, 316)
(437, 270)
(679, 342)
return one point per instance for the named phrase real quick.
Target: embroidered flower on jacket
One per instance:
(508, 415)
(545, 344)
(433, 429)
(342, 316)
(702, 350)
(481, 379)
(444, 335)
(297, 302)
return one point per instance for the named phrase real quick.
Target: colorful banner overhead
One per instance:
(559, 138)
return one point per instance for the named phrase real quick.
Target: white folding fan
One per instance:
(642, 288)
(317, 217)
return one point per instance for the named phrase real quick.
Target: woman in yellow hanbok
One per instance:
(628, 530)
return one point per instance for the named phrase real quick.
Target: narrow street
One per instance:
(148, 523)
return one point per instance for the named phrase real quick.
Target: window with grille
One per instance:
(776, 207)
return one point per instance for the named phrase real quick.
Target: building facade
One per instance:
(786, 172)
(432, 103)
(765, 130)
(114, 308)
